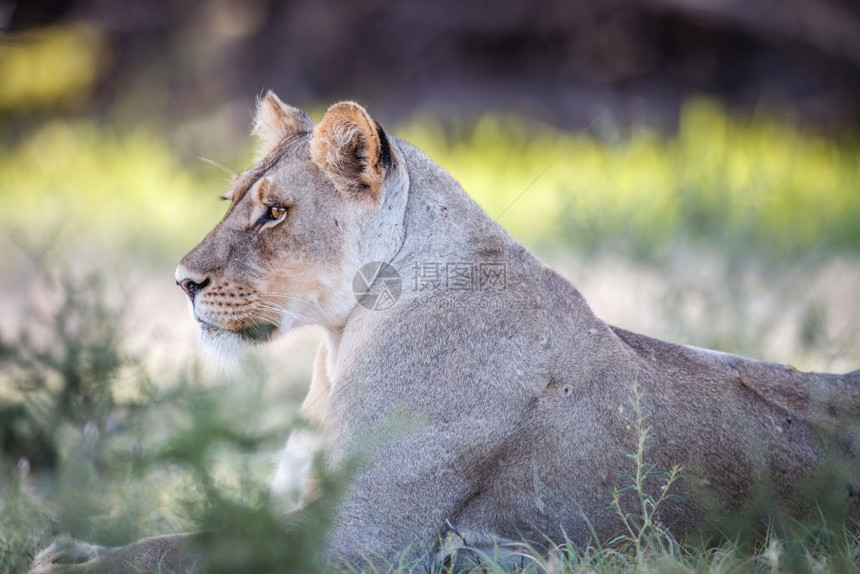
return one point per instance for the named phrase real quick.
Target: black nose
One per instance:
(191, 287)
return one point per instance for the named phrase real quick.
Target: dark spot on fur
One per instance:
(336, 224)
(633, 341)
(558, 388)
(788, 420)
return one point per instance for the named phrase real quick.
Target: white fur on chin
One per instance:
(222, 351)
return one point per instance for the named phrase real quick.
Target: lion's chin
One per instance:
(252, 335)
(224, 347)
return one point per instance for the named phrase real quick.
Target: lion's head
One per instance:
(320, 201)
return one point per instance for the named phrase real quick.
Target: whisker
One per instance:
(264, 307)
(283, 310)
(267, 320)
(251, 321)
(286, 296)
(220, 166)
(293, 298)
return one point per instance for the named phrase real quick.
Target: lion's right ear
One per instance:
(352, 150)
(274, 121)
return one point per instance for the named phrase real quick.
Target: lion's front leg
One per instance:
(165, 554)
(398, 504)
(293, 486)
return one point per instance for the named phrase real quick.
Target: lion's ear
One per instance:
(352, 150)
(274, 121)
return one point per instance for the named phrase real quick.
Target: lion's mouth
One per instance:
(255, 333)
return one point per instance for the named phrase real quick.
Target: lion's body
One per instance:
(522, 408)
(505, 409)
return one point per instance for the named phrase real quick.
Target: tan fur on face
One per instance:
(346, 146)
(298, 268)
(233, 306)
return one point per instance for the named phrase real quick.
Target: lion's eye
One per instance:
(275, 213)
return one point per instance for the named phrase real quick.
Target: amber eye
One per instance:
(275, 213)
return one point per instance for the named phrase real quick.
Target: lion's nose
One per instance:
(191, 284)
(192, 287)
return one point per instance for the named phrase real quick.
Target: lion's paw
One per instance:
(63, 553)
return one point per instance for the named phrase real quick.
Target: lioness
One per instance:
(517, 397)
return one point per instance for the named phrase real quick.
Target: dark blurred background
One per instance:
(549, 59)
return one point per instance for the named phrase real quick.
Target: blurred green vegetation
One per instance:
(78, 181)
(52, 67)
(187, 457)
(759, 181)
(756, 183)
(79, 454)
